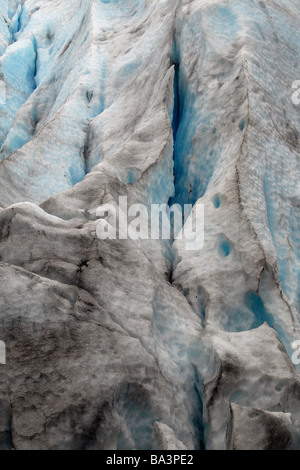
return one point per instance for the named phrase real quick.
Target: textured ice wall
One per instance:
(125, 345)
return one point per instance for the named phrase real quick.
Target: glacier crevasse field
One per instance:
(123, 344)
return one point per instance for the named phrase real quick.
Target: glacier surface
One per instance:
(122, 344)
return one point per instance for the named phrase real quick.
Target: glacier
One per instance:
(146, 345)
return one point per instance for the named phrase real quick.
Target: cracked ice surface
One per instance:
(162, 101)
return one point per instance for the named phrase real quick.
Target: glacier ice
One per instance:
(122, 344)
